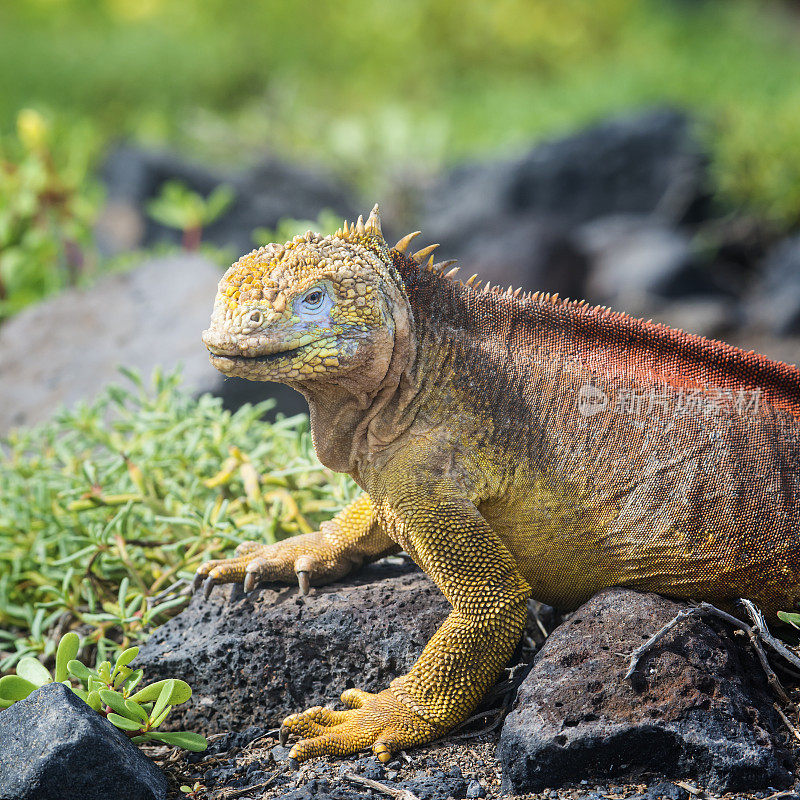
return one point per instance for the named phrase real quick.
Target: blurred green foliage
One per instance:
(384, 89)
(287, 228)
(189, 212)
(48, 202)
(107, 510)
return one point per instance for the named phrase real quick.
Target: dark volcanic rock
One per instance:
(67, 348)
(775, 307)
(254, 659)
(639, 263)
(263, 194)
(640, 163)
(54, 747)
(523, 251)
(700, 707)
(514, 221)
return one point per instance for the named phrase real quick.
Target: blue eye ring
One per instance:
(314, 299)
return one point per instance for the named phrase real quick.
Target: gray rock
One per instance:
(637, 264)
(513, 221)
(54, 747)
(68, 348)
(643, 163)
(700, 707)
(775, 306)
(264, 194)
(713, 317)
(520, 250)
(254, 659)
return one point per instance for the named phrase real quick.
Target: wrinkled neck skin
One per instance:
(366, 412)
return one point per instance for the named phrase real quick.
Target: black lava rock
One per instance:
(699, 707)
(54, 747)
(255, 659)
(776, 305)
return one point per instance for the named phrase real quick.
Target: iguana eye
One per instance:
(313, 300)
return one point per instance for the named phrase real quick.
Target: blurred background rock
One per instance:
(643, 154)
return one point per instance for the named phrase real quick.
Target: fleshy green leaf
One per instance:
(181, 692)
(126, 656)
(790, 617)
(185, 739)
(156, 721)
(14, 687)
(135, 711)
(123, 722)
(133, 679)
(163, 698)
(79, 670)
(115, 701)
(34, 671)
(122, 675)
(93, 700)
(67, 650)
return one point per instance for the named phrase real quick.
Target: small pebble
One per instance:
(279, 753)
(475, 790)
(373, 771)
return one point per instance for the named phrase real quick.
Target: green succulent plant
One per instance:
(179, 207)
(109, 691)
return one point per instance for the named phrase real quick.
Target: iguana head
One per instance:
(321, 309)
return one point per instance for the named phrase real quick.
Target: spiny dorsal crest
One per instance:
(362, 232)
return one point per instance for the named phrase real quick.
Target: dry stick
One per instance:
(689, 788)
(757, 634)
(759, 623)
(474, 734)
(248, 789)
(788, 722)
(397, 794)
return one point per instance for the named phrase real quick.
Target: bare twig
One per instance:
(784, 793)
(397, 794)
(488, 729)
(757, 635)
(788, 722)
(696, 611)
(248, 789)
(759, 623)
(689, 788)
(268, 735)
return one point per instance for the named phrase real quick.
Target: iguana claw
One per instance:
(377, 721)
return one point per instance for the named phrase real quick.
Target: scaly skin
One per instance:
(513, 447)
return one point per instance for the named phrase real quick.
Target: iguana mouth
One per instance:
(269, 358)
(264, 359)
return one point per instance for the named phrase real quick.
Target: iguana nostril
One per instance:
(256, 317)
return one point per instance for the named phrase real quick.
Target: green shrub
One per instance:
(388, 92)
(48, 203)
(187, 211)
(109, 691)
(107, 510)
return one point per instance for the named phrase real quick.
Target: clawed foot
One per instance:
(380, 721)
(301, 559)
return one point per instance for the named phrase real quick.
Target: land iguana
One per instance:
(515, 446)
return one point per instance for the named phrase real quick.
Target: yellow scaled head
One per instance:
(311, 309)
